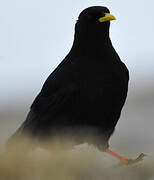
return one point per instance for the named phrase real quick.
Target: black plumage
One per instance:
(86, 91)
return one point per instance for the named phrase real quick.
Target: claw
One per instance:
(133, 161)
(124, 160)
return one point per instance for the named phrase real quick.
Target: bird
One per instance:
(84, 96)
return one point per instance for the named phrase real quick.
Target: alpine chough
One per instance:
(83, 97)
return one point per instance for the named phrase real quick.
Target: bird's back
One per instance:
(81, 93)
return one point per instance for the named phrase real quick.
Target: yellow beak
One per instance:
(107, 17)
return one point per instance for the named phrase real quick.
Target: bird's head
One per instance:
(92, 28)
(96, 15)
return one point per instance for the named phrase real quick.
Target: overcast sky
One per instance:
(35, 35)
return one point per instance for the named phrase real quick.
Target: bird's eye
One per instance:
(89, 16)
(95, 16)
(102, 15)
(92, 17)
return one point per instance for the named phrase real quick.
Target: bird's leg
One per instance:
(125, 160)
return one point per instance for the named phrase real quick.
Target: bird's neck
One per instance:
(88, 42)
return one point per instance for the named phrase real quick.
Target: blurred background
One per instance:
(35, 35)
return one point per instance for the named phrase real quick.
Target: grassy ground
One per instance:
(133, 135)
(59, 163)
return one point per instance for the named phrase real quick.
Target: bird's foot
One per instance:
(127, 161)
(124, 160)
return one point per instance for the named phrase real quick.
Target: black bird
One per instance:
(86, 91)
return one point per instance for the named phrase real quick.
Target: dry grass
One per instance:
(59, 163)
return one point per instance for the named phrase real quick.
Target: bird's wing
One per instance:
(56, 100)
(45, 108)
(59, 88)
(58, 92)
